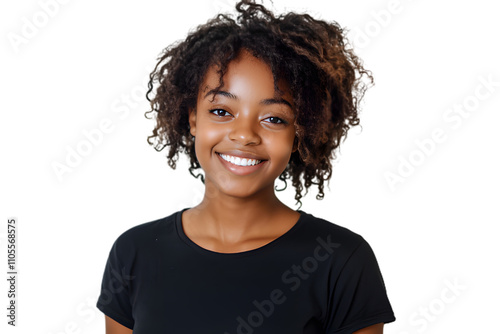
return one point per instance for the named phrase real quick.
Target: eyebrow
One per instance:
(234, 97)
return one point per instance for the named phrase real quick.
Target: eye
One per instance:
(275, 120)
(219, 112)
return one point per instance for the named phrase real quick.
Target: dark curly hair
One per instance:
(313, 56)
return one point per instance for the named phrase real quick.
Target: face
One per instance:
(244, 134)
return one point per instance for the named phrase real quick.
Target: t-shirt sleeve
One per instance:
(114, 299)
(358, 298)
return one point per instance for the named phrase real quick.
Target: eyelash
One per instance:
(216, 113)
(281, 121)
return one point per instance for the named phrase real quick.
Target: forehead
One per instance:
(245, 73)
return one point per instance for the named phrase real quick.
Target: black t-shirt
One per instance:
(318, 277)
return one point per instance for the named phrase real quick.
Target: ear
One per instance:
(192, 122)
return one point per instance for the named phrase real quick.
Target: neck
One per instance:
(233, 219)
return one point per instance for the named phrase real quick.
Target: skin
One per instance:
(240, 212)
(113, 327)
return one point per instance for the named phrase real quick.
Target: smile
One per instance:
(239, 161)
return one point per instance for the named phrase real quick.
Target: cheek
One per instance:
(281, 149)
(207, 136)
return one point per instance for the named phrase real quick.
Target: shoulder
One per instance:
(318, 232)
(320, 226)
(145, 233)
(350, 254)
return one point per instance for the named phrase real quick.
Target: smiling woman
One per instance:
(272, 101)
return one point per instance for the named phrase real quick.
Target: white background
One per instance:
(87, 62)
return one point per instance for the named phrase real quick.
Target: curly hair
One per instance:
(313, 56)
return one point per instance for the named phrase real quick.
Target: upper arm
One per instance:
(374, 329)
(113, 327)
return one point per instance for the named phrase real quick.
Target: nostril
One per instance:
(244, 137)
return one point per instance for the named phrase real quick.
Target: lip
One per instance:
(241, 170)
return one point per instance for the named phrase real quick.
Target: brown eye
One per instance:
(275, 120)
(219, 112)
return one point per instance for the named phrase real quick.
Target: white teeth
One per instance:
(240, 161)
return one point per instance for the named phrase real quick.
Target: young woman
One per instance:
(249, 100)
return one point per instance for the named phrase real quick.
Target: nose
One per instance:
(244, 132)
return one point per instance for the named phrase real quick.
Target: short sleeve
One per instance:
(358, 298)
(114, 299)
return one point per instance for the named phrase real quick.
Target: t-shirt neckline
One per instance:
(195, 246)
